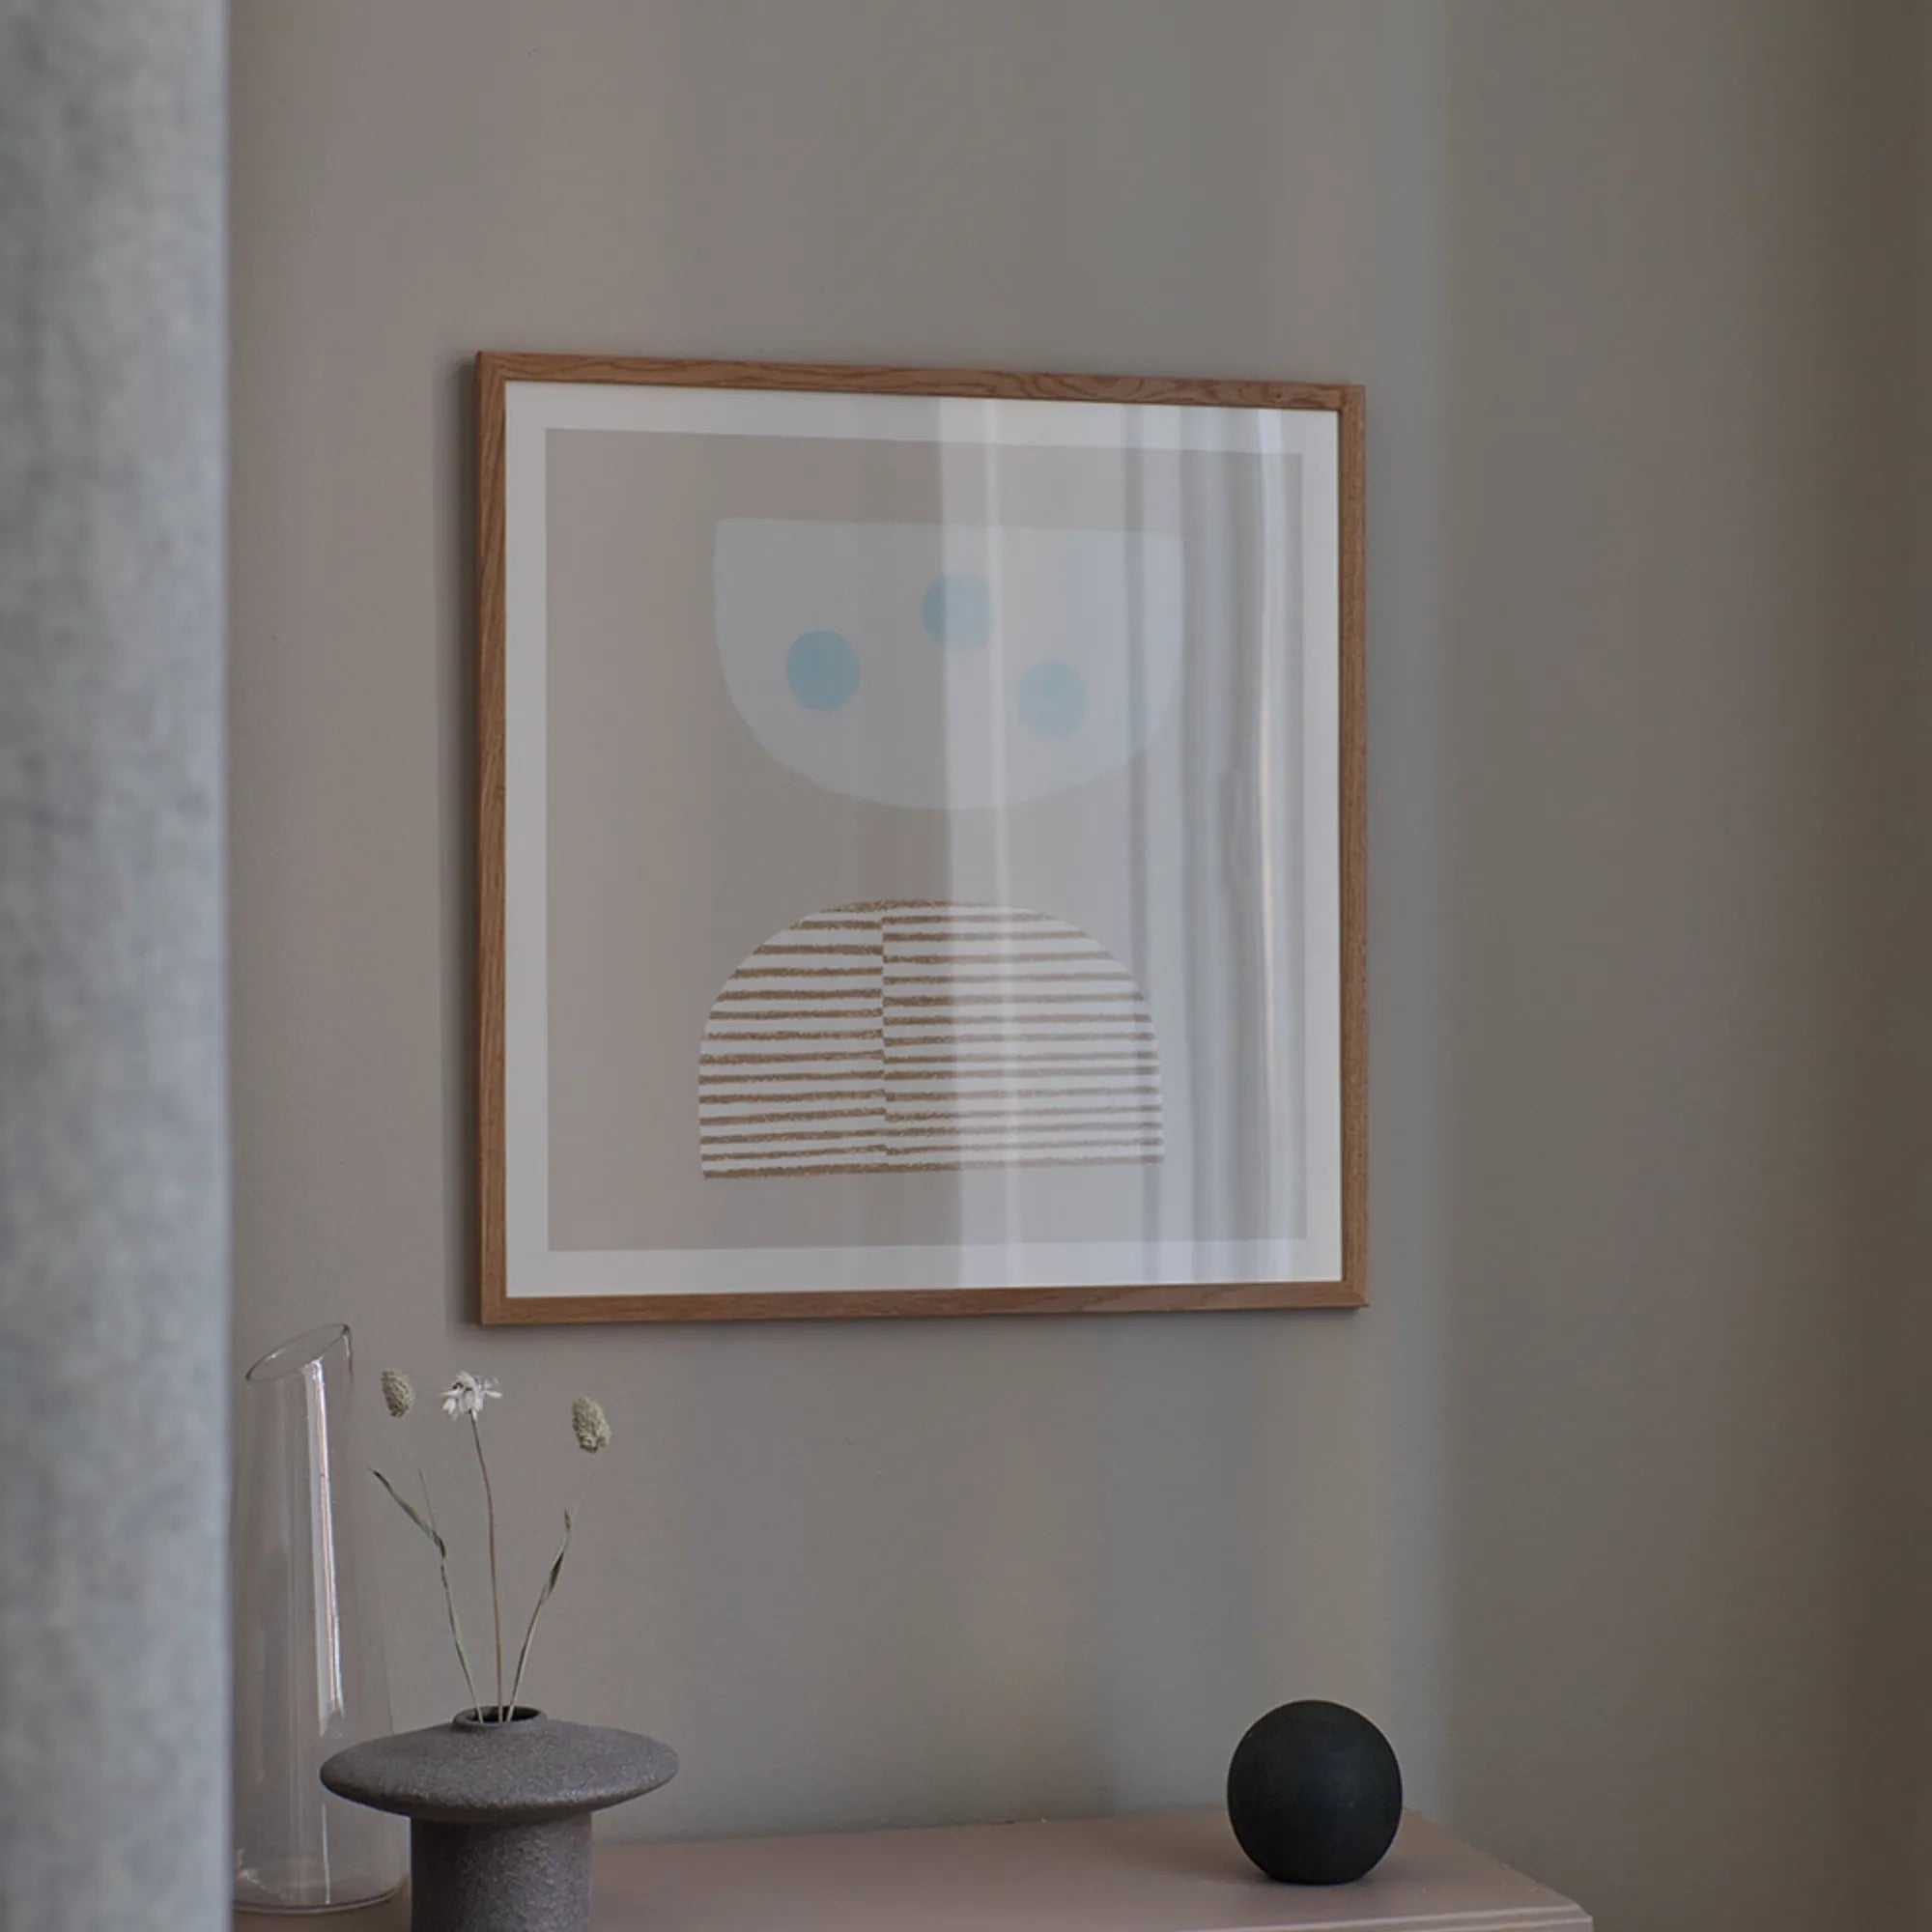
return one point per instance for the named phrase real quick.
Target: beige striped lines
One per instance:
(912, 1035)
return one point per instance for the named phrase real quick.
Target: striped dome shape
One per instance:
(919, 1036)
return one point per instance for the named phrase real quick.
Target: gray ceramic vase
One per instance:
(499, 1814)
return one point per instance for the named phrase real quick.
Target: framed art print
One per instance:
(920, 843)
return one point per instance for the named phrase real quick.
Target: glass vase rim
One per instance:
(298, 1353)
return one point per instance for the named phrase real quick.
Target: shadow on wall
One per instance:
(455, 430)
(1670, 642)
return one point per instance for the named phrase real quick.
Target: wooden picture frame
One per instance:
(1330, 417)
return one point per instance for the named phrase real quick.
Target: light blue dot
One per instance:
(958, 611)
(822, 669)
(1053, 699)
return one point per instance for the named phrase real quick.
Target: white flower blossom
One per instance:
(398, 1392)
(468, 1393)
(590, 1424)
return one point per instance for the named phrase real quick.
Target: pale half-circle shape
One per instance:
(945, 667)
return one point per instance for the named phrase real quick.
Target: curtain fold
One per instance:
(114, 1223)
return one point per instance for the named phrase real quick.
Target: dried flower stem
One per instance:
(496, 1596)
(543, 1596)
(424, 1520)
(449, 1595)
(465, 1399)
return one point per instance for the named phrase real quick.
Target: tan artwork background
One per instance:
(678, 845)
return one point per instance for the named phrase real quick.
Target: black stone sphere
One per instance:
(1315, 1794)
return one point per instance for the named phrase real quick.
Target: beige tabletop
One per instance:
(1175, 1871)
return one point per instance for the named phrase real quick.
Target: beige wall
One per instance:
(1588, 1507)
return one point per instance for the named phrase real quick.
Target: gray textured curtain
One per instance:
(113, 1165)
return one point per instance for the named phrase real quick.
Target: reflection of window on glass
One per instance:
(902, 1035)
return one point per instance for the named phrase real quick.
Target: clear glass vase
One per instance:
(309, 1676)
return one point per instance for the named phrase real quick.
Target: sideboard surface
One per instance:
(1173, 1871)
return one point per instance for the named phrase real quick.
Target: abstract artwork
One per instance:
(920, 842)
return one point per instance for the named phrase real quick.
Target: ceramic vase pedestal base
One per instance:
(499, 1814)
(500, 1878)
